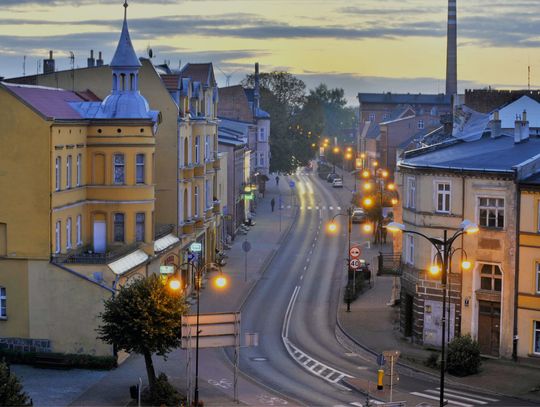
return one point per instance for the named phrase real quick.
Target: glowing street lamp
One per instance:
(175, 284)
(365, 174)
(368, 202)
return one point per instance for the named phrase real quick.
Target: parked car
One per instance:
(330, 177)
(358, 215)
(337, 183)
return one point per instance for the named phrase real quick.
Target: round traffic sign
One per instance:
(354, 263)
(355, 252)
(246, 246)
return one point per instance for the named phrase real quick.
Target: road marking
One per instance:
(309, 208)
(288, 312)
(463, 393)
(317, 207)
(448, 401)
(356, 403)
(339, 208)
(302, 277)
(331, 208)
(455, 396)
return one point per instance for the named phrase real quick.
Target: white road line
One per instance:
(339, 208)
(455, 396)
(287, 320)
(357, 403)
(427, 396)
(302, 277)
(331, 208)
(309, 208)
(464, 393)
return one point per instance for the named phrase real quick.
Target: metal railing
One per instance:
(86, 255)
(389, 264)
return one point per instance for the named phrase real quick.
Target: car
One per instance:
(337, 183)
(330, 177)
(358, 215)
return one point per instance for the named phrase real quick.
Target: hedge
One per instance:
(72, 360)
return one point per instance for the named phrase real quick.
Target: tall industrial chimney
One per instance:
(48, 64)
(451, 49)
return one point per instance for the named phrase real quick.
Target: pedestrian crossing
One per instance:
(314, 208)
(456, 397)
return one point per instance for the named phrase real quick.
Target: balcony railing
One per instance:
(86, 255)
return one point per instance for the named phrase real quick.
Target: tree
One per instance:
(11, 391)
(144, 318)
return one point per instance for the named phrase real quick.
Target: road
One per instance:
(293, 309)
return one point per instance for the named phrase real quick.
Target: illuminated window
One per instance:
(197, 149)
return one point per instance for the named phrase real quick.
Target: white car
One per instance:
(337, 183)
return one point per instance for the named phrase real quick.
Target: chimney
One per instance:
(524, 127)
(495, 125)
(517, 129)
(256, 93)
(91, 60)
(447, 120)
(48, 64)
(451, 49)
(99, 61)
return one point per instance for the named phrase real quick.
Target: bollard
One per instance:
(380, 377)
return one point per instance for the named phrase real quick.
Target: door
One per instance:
(100, 236)
(408, 326)
(489, 323)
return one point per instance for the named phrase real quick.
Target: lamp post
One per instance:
(332, 227)
(444, 252)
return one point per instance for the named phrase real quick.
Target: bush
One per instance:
(164, 393)
(11, 391)
(73, 360)
(463, 356)
(433, 360)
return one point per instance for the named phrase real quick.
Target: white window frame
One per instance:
(123, 165)
(140, 165)
(68, 171)
(58, 173)
(411, 192)
(197, 148)
(371, 117)
(536, 328)
(68, 233)
(446, 197)
(196, 199)
(497, 209)
(57, 237)
(206, 148)
(409, 249)
(3, 302)
(421, 124)
(78, 228)
(79, 169)
(261, 134)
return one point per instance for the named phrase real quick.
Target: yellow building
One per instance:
(78, 214)
(528, 311)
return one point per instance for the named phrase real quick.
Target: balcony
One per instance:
(217, 207)
(86, 255)
(209, 167)
(199, 223)
(188, 227)
(209, 213)
(199, 170)
(216, 164)
(186, 173)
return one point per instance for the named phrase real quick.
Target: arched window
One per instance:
(186, 152)
(131, 81)
(186, 206)
(123, 81)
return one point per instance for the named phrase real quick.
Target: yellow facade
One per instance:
(528, 315)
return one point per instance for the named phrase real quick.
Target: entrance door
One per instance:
(489, 327)
(100, 236)
(408, 325)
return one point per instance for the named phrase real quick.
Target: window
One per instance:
(3, 300)
(386, 116)
(420, 124)
(537, 278)
(79, 169)
(411, 192)
(197, 148)
(536, 339)
(119, 170)
(443, 197)
(57, 237)
(118, 227)
(57, 173)
(206, 148)
(68, 172)
(261, 159)
(491, 212)
(409, 247)
(372, 117)
(139, 227)
(491, 277)
(196, 197)
(261, 134)
(68, 233)
(79, 230)
(139, 170)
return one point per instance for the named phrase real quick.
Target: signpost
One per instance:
(355, 252)
(195, 247)
(354, 264)
(292, 185)
(393, 356)
(246, 247)
(165, 270)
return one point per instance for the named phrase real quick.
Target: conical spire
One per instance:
(125, 55)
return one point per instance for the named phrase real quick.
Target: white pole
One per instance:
(391, 376)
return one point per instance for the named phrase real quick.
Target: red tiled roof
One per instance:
(49, 102)
(171, 81)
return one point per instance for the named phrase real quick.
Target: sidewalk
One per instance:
(374, 325)
(89, 388)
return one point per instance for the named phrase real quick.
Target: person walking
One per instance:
(277, 180)
(272, 204)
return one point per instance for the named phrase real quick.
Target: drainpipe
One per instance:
(461, 273)
(516, 272)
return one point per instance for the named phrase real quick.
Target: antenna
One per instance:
(529, 78)
(24, 66)
(227, 76)
(72, 62)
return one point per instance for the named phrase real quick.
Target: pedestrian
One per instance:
(272, 204)
(277, 180)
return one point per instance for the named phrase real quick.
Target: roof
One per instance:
(404, 98)
(508, 113)
(165, 242)
(128, 262)
(488, 154)
(203, 73)
(374, 129)
(125, 56)
(532, 180)
(171, 81)
(52, 103)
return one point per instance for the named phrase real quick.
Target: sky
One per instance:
(358, 45)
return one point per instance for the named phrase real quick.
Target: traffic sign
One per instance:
(355, 264)
(196, 247)
(292, 184)
(168, 269)
(355, 252)
(380, 359)
(191, 256)
(246, 246)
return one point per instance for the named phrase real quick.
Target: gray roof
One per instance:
(532, 180)
(486, 154)
(404, 98)
(125, 56)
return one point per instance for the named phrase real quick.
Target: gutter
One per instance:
(515, 338)
(459, 169)
(83, 277)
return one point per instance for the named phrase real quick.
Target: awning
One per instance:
(128, 262)
(164, 242)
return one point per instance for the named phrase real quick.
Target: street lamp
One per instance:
(444, 252)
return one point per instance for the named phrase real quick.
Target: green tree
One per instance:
(144, 318)
(11, 391)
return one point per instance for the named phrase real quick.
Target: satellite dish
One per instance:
(150, 52)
